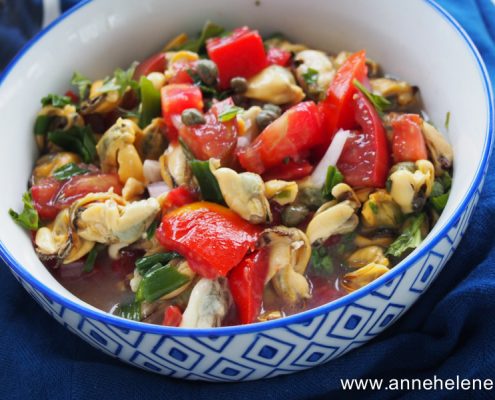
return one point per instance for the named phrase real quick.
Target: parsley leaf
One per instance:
(334, 177)
(68, 171)
(379, 102)
(55, 100)
(210, 30)
(121, 81)
(82, 83)
(310, 76)
(439, 202)
(229, 114)
(410, 238)
(28, 218)
(78, 139)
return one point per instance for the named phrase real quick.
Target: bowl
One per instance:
(415, 40)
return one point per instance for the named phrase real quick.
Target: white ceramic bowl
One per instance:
(414, 39)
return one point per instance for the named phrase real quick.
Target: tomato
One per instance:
(155, 63)
(212, 238)
(296, 130)
(246, 283)
(408, 143)
(338, 107)
(214, 138)
(242, 53)
(364, 161)
(278, 56)
(172, 316)
(175, 99)
(42, 194)
(178, 197)
(180, 72)
(73, 97)
(289, 171)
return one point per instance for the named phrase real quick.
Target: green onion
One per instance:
(209, 30)
(159, 281)
(210, 190)
(150, 102)
(144, 264)
(379, 102)
(55, 100)
(310, 76)
(129, 311)
(82, 83)
(439, 202)
(150, 232)
(78, 139)
(374, 207)
(68, 171)
(410, 237)
(28, 218)
(89, 264)
(42, 124)
(334, 177)
(229, 114)
(321, 261)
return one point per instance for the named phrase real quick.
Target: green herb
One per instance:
(410, 238)
(334, 177)
(437, 189)
(82, 83)
(89, 264)
(158, 281)
(121, 81)
(321, 261)
(209, 31)
(42, 124)
(446, 181)
(129, 311)
(206, 90)
(55, 100)
(68, 171)
(310, 76)
(28, 218)
(210, 190)
(229, 114)
(447, 120)
(150, 232)
(150, 102)
(379, 102)
(144, 264)
(187, 151)
(439, 202)
(374, 207)
(78, 139)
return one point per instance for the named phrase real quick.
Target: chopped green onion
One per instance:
(144, 264)
(439, 202)
(210, 190)
(78, 139)
(82, 83)
(150, 232)
(410, 238)
(321, 261)
(159, 281)
(42, 124)
(374, 207)
(209, 30)
(150, 102)
(68, 171)
(310, 76)
(129, 311)
(334, 177)
(55, 100)
(28, 218)
(379, 102)
(89, 264)
(229, 114)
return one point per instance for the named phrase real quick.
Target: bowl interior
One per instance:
(410, 40)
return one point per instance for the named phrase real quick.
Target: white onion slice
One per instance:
(151, 171)
(157, 188)
(331, 157)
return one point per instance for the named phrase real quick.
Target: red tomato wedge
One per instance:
(242, 53)
(246, 283)
(289, 171)
(214, 138)
(278, 56)
(172, 316)
(295, 131)
(177, 98)
(212, 238)
(408, 143)
(365, 159)
(43, 193)
(178, 197)
(155, 63)
(180, 72)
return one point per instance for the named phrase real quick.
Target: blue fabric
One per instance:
(449, 332)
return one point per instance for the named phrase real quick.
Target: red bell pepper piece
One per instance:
(212, 238)
(175, 99)
(289, 171)
(172, 316)
(408, 143)
(365, 159)
(155, 63)
(246, 283)
(295, 131)
(242, 53)
(278, 56)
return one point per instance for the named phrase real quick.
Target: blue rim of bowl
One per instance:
(113, 320)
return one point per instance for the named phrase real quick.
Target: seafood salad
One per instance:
(231, 179)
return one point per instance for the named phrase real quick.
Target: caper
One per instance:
(265, 118)
(293, 215)
(273, 108)
(207, 71)
(191, 116)
(239, 84)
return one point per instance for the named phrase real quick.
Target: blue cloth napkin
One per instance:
(449, 332)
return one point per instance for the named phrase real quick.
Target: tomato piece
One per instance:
(295, 131)
(81, 185)
(180, 72)
(278, 56)
(242, 53)
(175, 99)
(43, 193)
(73, 97)
(214, 138)
(211, 237)
(246, 283)
(408, 143)
(289, 171)
(365, 160)
(155, 63)
(338, 106)
(172, 316)
(178, 197)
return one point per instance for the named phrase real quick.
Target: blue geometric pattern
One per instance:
(272, 352)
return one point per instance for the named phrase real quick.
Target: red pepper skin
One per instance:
(240, 54)
(408, 143)
(290, 171)
(246, 283)
(276, 56)
(365, 159)
(172, 316)
(212, 238)
(155, 63)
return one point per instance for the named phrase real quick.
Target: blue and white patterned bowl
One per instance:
(413, 39)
